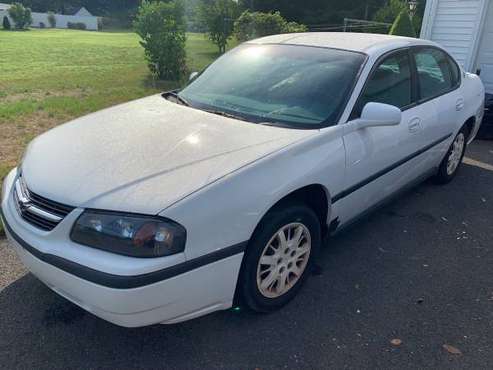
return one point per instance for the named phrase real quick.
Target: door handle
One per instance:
(414, 124)
(459, 104)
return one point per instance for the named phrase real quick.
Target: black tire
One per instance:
(443, 176)
(280, 216)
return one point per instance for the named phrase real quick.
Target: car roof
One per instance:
(367, 43)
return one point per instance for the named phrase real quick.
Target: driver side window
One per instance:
(389, 83)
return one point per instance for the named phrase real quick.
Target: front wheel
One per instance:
(279, 257)
(451, 163)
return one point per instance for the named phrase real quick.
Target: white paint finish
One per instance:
(149, 146)
(217, 177)
(362, 42)
(374, 148)
(204, 290)
(253, 190)
(58, 243)
(485, 54)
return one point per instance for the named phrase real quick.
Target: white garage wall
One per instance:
(456, 25)
(484, 60)
(61, 20)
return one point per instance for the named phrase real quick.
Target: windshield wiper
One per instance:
(177, 97)
(225, 114)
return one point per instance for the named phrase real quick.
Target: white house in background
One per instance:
(80, 16)
(465, 29)
(83, 12)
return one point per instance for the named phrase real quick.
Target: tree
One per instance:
(257, 24)
(219, 17)
(6, 23)
(389, 12)
(403, 25)
(51, 19)
(161, 25)
(418, 16)
(20, 15)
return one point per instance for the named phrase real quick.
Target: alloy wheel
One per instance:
(283, 260)
(455, 154)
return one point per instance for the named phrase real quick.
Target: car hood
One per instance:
(144, 155)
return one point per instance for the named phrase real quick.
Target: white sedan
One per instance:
(176, 205)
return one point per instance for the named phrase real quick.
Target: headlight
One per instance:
(131, 235)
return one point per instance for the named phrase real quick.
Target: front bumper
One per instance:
(173, 294)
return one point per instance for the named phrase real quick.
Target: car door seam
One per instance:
(386, 170)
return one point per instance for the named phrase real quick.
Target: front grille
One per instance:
(43, 213)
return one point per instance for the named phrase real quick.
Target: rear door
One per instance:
(438, 81)
(381, 160)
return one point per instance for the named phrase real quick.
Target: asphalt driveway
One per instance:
(418, 272)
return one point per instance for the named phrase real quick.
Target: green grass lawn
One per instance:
(48, 77)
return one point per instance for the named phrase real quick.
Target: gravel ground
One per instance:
(11, 268)
(410, 287)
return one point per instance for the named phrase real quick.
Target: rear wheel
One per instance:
(452, 160)
(279, 257)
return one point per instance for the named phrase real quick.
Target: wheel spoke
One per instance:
(301, 251)
(268, 260)
(296, 270)
(281, 282)
(269, 280)
(282, 239)
(297, 236)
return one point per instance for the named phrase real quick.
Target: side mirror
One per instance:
(378, 114)
(193, 75)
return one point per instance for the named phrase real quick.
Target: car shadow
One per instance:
(419, 269)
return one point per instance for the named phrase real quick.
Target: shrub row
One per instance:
(76, 25)
(252, 25)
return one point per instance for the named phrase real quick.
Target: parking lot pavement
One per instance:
(419, 270)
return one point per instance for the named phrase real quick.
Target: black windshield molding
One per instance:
(123, 281)
(386, 170)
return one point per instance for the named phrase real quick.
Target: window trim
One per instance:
(415, 49)
(415, 94)
(376, 64)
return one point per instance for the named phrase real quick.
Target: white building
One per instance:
(62, 20)
(465, 29)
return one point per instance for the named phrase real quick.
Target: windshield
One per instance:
(294, 86)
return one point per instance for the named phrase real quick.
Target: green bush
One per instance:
(218, 16)
(76, 25)
(257, 24)
(403, 25)
(6, 23)
(20, 15)
(162, 29)
(51, 19)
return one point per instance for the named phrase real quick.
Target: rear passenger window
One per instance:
(435, 73)
(389, 83)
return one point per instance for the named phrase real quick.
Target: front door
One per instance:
(438, 81)
(381, 160)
